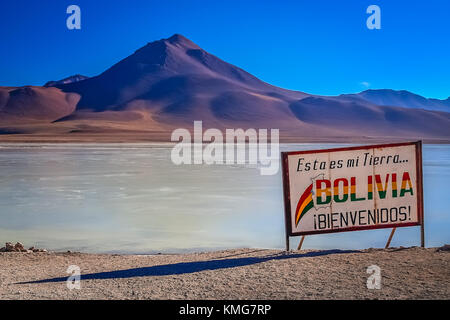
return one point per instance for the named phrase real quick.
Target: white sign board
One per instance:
(353, 188)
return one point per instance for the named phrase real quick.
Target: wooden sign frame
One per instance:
(419, 188)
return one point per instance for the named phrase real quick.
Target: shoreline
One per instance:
(406, 273)
(165, 138)
(162, 142)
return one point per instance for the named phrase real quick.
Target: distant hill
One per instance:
(35, 103)
(402, 98)
(71, 79)
(171, 82)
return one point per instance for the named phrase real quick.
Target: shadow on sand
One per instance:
(191, 267)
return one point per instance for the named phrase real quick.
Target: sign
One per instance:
(354, 188)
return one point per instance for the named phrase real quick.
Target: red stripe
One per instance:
(303, 198)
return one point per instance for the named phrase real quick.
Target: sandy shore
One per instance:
(407, 273)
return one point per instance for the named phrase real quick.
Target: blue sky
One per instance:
(320, 47)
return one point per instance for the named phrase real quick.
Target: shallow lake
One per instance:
(131, 198)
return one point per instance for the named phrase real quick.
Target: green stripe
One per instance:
(354, 198)
(306, 209)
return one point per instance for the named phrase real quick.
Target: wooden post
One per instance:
(420, 192)
(422, 235)
(390, 238)
(285, 180)
(301, 243)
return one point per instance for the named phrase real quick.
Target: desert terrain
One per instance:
(406, 273)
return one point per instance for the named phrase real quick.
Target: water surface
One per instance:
(130, 198)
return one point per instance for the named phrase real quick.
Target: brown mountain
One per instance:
(38, 103)
(172, 82)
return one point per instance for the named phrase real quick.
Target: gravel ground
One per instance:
(406, 273)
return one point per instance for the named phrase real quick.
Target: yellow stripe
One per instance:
(326, 191)
(336, 190)
(304, 204)
(407, 181)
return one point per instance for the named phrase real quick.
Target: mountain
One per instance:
(171, 82)
(175, 79)
(71, 79)
(401, 98)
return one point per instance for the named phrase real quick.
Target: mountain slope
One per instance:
(359, 117)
